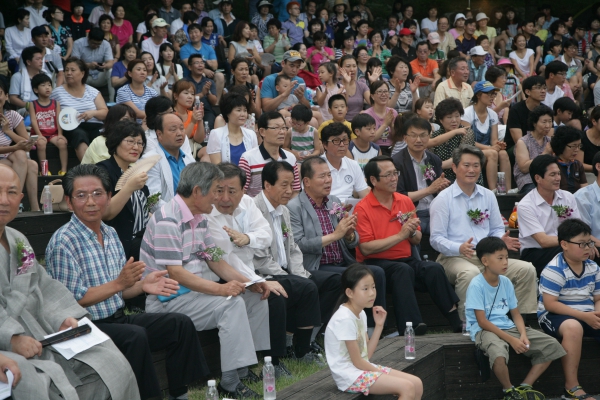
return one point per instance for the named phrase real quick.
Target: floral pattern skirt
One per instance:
(366, 380)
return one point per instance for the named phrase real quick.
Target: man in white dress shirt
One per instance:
(462, 215)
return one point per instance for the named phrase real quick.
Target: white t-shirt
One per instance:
(141, 28)
(522, 62)
(483, 127)
(426, 23)
(552, 97)
(152, 48)
(347, 179)
(343, 326)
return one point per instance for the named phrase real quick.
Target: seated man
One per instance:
(272, 128)
(347, 176)
(461, 216)
(156, 106)
(35, 305)
(422, 177)
(205, 88)
(53, 64)
(20, 91)
(238, 227)
(542, 210)
(86, 255)
(163, 178)
(325, 239)
(98, 56)
(569, 298)
(388, 227)
(177, 240)
(283, 256)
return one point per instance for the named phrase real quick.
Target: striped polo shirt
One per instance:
(252, 163)
(174, 236)
(577, 292)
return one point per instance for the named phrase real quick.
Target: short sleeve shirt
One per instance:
(349, 178)
(207, 53)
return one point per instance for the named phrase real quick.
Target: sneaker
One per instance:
(289, 352)
(282, 371)
(241, 392)
(61, 172)
(512, 394)
(316, 347)
(251, 377)
(312, 358)
(529, 393)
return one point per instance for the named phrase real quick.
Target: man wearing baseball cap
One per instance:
(160, 29)
(477, 67)
(405, 50)
(434, 52)
(293, 27)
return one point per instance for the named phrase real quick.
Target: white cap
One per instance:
(267, 359)
(478, 51)
(212, 382)
(409, 323)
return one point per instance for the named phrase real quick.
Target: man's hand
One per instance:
(276, 288)
(518, 345)
(467, 249)
(238, 238)
(299, 91)
(346, 224)
(10, 364)
(25, 346)
(232, 288)
(261, 287)
(208, 73)
(157, 283)
(70, 322)
(410, 227)
(206, 89)
(439, 184)
(511, 242)
(130, 274)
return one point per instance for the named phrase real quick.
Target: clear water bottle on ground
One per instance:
(409, 346)
(268, 380)
(501, 185)
(211, 392)
(47, 200)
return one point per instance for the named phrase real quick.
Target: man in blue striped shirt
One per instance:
(569, 298)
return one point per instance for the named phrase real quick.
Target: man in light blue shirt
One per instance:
(588, 202)
(461, 216)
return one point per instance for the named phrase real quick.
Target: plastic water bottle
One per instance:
(409, 346)
(269, 380)
(206, 131)
(501, 185)
(47, 200)
(211, 392)
(197, 102)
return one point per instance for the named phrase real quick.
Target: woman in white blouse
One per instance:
(18, 37)
(228, 143)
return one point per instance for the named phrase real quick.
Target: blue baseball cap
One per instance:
(484, 86)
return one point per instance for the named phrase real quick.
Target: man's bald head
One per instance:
(11, 195)
(9, 175)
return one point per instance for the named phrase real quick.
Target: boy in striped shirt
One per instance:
(302, 139)
(569, 303)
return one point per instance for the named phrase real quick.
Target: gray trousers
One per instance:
(243, 322)
(46, 380)
(102, 79)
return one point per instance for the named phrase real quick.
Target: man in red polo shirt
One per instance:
(385, 240)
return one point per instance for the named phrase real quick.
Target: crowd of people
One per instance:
(298, 156)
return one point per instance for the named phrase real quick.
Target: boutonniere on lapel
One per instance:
(152, 201)
(340, 210)
(562, 212)
(211, 254)
(26, 257)
(402, 218)
(428, 172)
(478, 216)
(285, 230)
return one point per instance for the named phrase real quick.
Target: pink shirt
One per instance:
(318, 58)
(122, 32)
(385, 138)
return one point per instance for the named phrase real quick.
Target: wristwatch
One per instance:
(414, 234)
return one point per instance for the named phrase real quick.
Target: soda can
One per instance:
(44, 167)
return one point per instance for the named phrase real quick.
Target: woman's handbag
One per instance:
(58, 196)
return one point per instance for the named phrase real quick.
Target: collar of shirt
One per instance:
(372, 201)
(596, 190)
(472, 65)
(265, 154)
(323, 204)
(270, 208)
(170, 157)
(186, 213)
(539, 200)
(423, 159)
(451, 85)
(562, 58)
(230, 14)
(457, 191)
(343, 165)
(169, 12)
(83, 229)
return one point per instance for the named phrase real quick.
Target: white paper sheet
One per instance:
(5, 388)
(72, 347)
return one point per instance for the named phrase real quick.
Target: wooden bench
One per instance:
(446, 365)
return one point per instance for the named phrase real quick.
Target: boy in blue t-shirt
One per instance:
(569, 296)
(490, 297)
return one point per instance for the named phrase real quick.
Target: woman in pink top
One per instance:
(121, 28)
(318, 53)
(384, 116)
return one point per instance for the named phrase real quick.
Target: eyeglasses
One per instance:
(575, 146)
(338, 142)
(391, 175)
(83, 197)
(278, 128)
(133, 143)
(419, 136)
(583, 245)
(382, 92)
(561, 73)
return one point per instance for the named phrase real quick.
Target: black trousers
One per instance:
(137, 336)
(330, 289)
(300, 309)
(406, 275)
(540, 257)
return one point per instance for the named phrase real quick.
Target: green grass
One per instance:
(299, 371)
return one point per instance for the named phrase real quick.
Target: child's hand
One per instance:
(518, 345)
(379, 315)
(525, 341)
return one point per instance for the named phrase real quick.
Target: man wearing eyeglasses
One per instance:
(87, 257)
(542, 210)
(422, 177)
(388, 228)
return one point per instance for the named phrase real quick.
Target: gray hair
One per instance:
(201, 174)
(84, 170)
(467, 149)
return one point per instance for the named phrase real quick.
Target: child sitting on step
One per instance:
(349, 348)
(490, 297)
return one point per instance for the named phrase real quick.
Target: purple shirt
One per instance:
(294, 32)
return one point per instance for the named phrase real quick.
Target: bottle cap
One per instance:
(212, 382)
(409, 323)
(267, 359)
